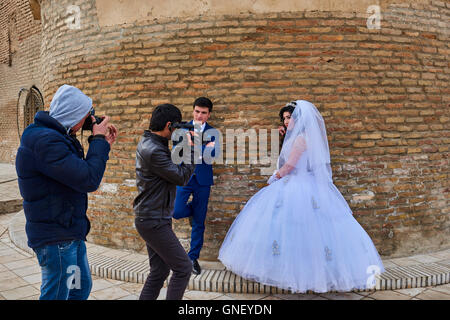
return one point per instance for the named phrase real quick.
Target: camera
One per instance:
(88, 124)
(186, 126)
(181, 125)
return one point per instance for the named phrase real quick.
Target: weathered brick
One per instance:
(383, 95)
(363, 144)
(217, 63)
(395, 120)
(371, 136)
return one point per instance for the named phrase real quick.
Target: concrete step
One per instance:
(10, 206)
(10, 198)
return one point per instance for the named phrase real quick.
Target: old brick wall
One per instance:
(19, 67)
(383, 93)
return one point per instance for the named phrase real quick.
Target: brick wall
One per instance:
(383, 93)
(19, 67)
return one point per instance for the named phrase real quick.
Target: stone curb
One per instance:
(216, 279)
(10, 200)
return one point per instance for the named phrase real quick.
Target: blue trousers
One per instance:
(65, 271)
(197, 209)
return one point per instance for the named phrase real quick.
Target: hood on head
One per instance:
(69, 106)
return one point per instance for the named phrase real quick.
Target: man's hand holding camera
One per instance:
(189, 136)
(105, 128)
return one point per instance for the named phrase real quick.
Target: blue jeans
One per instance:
(65, 271)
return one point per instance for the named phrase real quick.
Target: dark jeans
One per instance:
(165, 253)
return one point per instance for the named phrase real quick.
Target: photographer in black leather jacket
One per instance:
(156, 178)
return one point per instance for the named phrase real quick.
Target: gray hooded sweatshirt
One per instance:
(69, 106)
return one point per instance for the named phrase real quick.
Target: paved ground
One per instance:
(20, 276)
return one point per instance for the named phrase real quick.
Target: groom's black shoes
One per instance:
(196, 267)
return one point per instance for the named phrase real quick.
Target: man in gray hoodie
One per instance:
(54, 179)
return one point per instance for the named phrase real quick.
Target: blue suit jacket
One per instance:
(204, 171)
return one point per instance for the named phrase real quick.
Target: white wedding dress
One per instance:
(299, 233)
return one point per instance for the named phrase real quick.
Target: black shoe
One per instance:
(196, 267)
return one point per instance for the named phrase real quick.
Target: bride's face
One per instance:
(286, 118)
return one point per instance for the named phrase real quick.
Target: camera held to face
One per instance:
(181, 125)
(186, 126)
(89, 124)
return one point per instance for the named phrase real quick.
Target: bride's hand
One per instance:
(272, 179)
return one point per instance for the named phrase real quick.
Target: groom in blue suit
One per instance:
(199, 186)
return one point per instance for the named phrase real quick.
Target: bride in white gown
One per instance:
(299, 233)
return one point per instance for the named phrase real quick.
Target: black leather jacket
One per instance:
(157, 177)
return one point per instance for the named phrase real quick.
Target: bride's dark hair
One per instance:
(290, 107)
